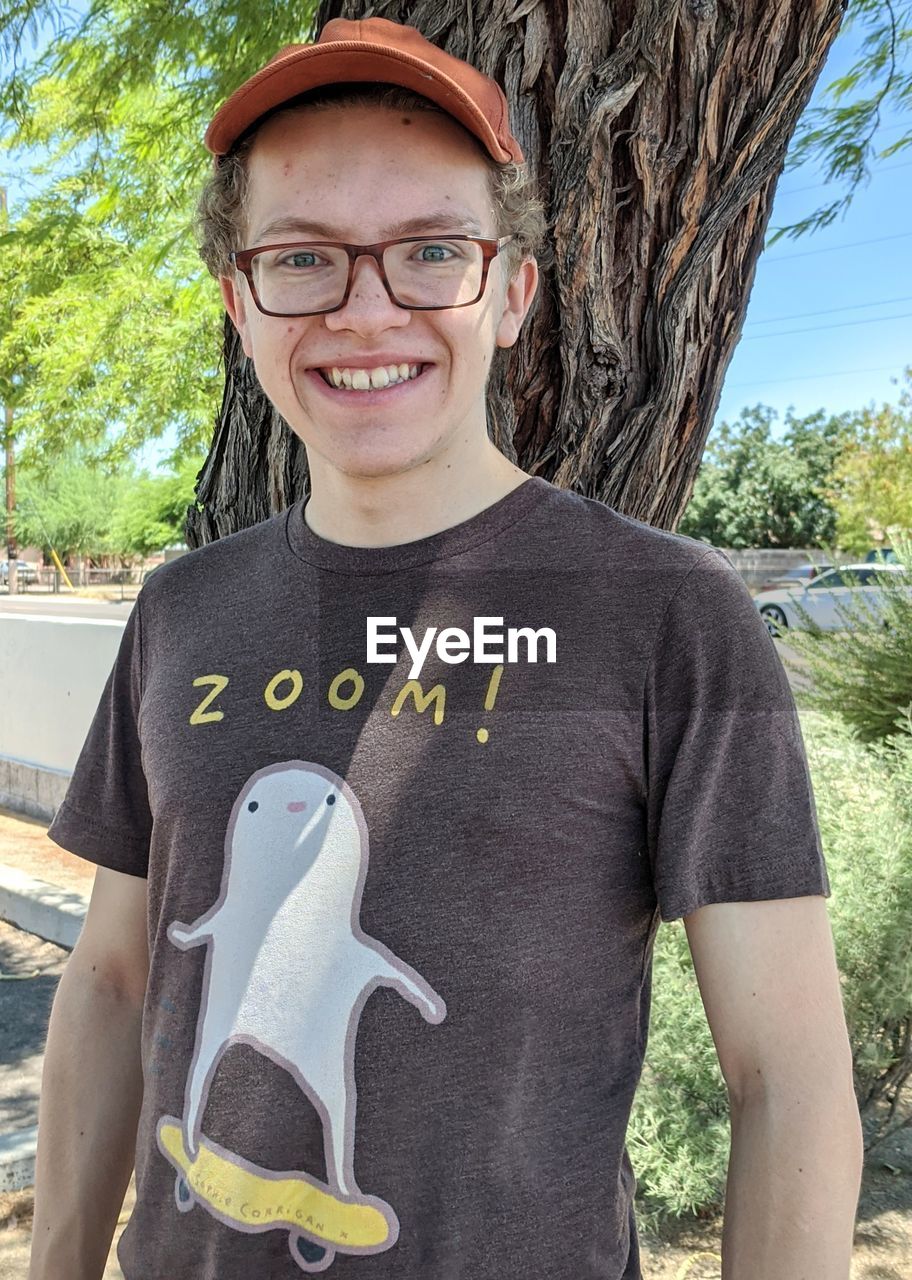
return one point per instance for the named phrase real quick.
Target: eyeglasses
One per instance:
(429, 273)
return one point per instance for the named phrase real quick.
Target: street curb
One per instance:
(56, 915)
(17, 1159)
(44, 909)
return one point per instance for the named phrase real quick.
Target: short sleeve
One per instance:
(731, 815)
(105, 816)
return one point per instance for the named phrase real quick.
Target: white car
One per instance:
(827, 597)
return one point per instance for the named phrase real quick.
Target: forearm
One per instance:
(91, 1094)
(793, 1182)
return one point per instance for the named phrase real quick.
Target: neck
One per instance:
(382, 511)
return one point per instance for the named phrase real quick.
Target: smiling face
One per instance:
(361, 172)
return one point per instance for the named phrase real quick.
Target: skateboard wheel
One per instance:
(183, 1195)
(306, 1250)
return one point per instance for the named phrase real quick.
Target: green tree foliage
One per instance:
(81, 507)
(755, 491)
(114, 332)
(841, 133)
(151, 514)
(113, 313)
(67, 508)
(871, 484)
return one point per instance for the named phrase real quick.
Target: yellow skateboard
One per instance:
(251, 1199)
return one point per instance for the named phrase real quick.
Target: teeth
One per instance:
(371, 379)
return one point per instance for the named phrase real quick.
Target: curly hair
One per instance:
(221, 210)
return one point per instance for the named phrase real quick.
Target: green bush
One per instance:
(678, 1137)
(864, 797)
(679, 1133)
(864, 672)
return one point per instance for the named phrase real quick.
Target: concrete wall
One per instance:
(52, 672)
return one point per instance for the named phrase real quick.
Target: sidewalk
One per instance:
(37, 877)
(44, 894)
(24, 845)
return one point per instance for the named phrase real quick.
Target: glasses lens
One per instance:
(301, 278)
(421, 273)
(434, 273)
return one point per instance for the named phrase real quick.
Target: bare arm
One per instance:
(91, 1088)
(770, 986)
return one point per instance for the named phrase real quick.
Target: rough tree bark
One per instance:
(658, 130)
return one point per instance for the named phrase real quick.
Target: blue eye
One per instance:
(330, 799)
(436, 250)
(253, 806)
(298, 260)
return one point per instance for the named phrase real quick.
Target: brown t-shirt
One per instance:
(401, 931)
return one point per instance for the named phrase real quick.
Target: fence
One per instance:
(117, 584)
(758, 567)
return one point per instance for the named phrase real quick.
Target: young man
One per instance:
(366, 973)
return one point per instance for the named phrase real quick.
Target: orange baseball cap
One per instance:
(372, 49)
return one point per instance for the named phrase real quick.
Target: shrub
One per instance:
(679, 1133)
(864, 673)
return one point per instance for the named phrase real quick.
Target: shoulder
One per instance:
(593, 529)
(209, 568)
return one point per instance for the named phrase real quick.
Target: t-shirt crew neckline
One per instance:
(486, 524)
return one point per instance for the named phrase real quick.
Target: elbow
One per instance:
(798, 1104)
(805, 1084)
(107, 979)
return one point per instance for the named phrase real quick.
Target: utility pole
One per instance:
(12, 551)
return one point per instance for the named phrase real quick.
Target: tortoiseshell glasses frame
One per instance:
(243, 261)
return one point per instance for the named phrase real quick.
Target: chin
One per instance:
(378, 461)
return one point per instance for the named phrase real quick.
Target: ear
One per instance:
(517, 301)
(233, 297)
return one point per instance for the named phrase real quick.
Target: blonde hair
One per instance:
(221, 211)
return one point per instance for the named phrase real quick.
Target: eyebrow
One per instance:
(436, 220)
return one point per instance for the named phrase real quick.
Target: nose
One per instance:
(295, 806)
(369, 307)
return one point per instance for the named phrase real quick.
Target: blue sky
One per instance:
(829, 324)
(847, 353)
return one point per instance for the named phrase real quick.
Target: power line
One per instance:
(815, 186)
(818, 328)
(853, 244)
(828, 311)
(810, 377)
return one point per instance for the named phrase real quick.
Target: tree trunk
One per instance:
(658, 130)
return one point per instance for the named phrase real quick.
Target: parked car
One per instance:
(797, 575)
(27, 572)
(885, 554)
(826, 597)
